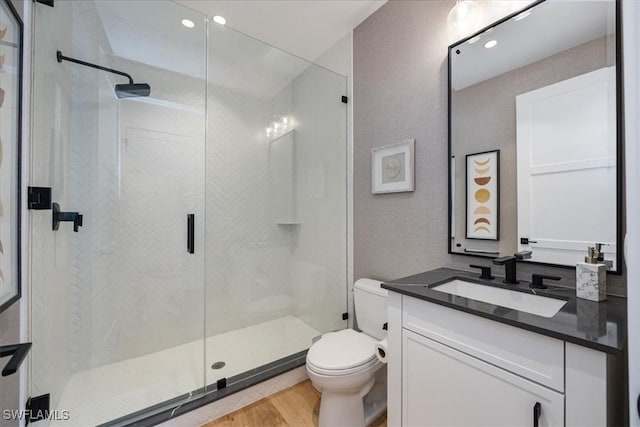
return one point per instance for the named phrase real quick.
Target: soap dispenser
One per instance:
(591, 276)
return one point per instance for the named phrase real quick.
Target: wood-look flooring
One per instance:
(296, 406)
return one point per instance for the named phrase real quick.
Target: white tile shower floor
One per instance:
(108, 392)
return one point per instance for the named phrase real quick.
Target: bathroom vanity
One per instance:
(455, 360)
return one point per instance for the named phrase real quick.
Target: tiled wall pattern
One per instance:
(92, 152)
(247, 255)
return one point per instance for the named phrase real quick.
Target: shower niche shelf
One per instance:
(288, 222)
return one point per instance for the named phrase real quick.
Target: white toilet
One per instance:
(343, 365)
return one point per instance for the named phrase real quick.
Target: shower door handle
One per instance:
(191, 233)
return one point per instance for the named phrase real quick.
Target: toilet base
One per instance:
(375, 402)
(343, 409)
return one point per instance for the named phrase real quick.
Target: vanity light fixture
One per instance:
(279, 126)
(188, 23)
(464, 18)
(490, 44)
(219, 20)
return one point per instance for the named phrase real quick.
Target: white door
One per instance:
(554, 160)
(442, 386)
(631, 18)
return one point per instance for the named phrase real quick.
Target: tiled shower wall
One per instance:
(248, 258)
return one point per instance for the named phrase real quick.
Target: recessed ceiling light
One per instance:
(490, 44)
(188, 23)
(219, 19)
(522, 15)
(474, 39)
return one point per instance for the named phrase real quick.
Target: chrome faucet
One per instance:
(509, 263)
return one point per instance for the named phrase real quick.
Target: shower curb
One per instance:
(169, 410)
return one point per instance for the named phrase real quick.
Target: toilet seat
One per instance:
(342, 353)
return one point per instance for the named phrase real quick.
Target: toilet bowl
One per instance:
(343, 365)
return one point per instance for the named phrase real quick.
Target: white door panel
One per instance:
(559, 153)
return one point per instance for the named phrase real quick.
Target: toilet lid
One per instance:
(342, 350)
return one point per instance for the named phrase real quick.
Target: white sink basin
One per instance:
(529, 303)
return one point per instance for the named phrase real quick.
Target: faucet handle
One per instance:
(509, 263)
(485, 272)
(537, 280)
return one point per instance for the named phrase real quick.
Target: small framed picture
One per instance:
(392, 168)
(483, 195)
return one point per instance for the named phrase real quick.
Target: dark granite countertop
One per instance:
(600, 326)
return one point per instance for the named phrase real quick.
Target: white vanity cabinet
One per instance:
(444, 386)
(449, 367)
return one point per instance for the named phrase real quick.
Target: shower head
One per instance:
(127, 90)
(132, 90)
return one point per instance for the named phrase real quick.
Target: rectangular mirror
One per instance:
(535, 140)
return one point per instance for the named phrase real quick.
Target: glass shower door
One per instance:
(117, 307)
(276, 193)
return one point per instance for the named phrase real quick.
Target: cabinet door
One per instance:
(445, 387)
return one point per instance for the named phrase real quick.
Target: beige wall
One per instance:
(400, 91)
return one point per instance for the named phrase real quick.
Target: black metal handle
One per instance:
(77, 222)
(537, 280)
(191, 233)
(485, 272)
(59, 216)
(537, 410)
(19, 352)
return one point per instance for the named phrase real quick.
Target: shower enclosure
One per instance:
(212, 246)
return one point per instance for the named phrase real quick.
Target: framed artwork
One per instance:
(10, 150)
(392, 168)
(483, 195)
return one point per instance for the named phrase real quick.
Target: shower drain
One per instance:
(218, 365)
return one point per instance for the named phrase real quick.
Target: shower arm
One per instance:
(61, 58)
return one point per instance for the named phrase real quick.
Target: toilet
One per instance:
(343, 365)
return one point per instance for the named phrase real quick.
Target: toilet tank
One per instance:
(370, 302)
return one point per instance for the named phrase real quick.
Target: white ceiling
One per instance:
(150, 33)
(306, 28)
